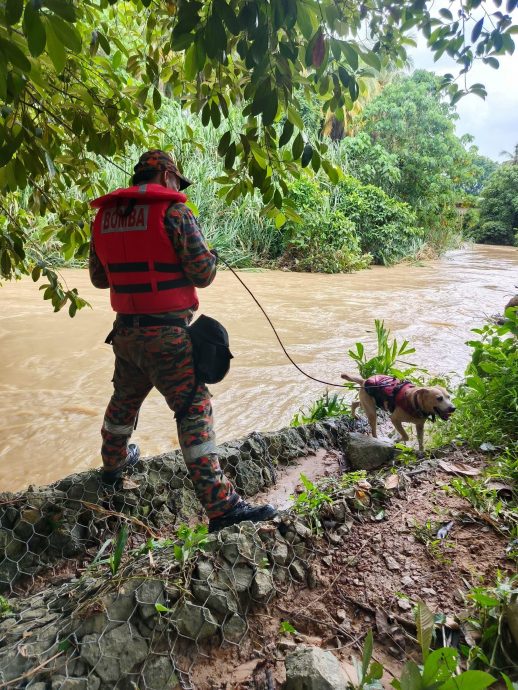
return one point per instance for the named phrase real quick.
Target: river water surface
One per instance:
(56, 371)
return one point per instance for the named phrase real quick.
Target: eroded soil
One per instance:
(370, 579)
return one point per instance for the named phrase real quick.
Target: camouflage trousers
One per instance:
(161, 357)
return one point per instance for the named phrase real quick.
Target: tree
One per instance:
(411, 121)
(80, 83)
(499, 208)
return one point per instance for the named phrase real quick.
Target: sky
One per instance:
(493, 121)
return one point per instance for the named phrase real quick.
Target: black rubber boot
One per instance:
(111, 478)
(241, 512)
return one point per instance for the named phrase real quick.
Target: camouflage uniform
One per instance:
(161, 357)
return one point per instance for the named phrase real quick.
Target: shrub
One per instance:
(499, 207)
(487, 402)
(387, 229)
(325, 241)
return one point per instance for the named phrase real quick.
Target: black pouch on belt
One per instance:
(210, 349)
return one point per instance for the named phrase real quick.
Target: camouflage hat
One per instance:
(160, 160)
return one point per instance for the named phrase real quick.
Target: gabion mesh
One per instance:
(124, 589)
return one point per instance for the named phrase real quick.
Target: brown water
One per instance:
(56, 371)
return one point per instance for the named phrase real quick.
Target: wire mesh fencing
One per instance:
(126, 589)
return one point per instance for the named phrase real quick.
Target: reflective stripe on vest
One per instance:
(143, 269)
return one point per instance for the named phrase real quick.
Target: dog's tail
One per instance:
(354, 379)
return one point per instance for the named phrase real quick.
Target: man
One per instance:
(148, 249)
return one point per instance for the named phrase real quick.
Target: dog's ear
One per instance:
(420, 398)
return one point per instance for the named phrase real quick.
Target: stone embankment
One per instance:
(78, 616)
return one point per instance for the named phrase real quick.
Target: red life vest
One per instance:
(143, 268)
(389, 392)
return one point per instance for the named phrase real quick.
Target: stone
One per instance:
(158, 673)
(407, 581)
(37, 686)
(149, 593)
(312, 668)
(195, 622)
(115, 653)
(368, 453)
(262, 586)
(279, 553)
(297, 571)
(234, 628)
(392, 564)
(62, 683)
(219, 600)
(239, 548)
(404, 604)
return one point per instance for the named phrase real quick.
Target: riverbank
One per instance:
(57, 371)
(168, 608)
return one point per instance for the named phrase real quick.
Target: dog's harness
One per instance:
(389, 393)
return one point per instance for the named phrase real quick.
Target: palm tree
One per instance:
(512, 158)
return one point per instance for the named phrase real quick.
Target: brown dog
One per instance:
(405, 401)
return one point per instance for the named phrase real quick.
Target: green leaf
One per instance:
(440, 665)
(13, 11)
(446, 14)
(67, 33)
(425, 624)
(63, 8)
(295, 118)
(477, 29)
(372, 60)
(411, 677)
(367, 653)
(215, 36)
(351, 55)
(305, 19)
(16, 56)
(306, 155)
(157, 99)
(224, 143)
(330, 171)
(34, 30)
(161, 608)
(270, 107)
(286, 134)
(297, 146)
(469, 680)
(55, 49)
(190, 63)
(227, 15)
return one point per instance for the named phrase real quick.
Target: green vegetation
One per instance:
(387, 357)
(487, 402)
(498, 222)
(84, 86)
(324, 407)
(310, 502)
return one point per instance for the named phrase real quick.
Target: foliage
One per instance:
(119, 545)
(325, 240)
(388, 355)
(5, 607)
(192, 540)
(499, 207)
(410, 120)
(436, 547)
(80, 84)
(386, 228)
(487, 621)
(438, 670)
(366, 160)
(309, 503)
(487, 402)
(324, 407)
(287, 628)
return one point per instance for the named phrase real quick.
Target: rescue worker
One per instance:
(148, 249)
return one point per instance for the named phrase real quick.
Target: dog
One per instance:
(405, 401)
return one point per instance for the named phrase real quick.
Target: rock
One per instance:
(368, 453)
(115, 653)
(195, 622)
(219, 600)
(404, 604)
(63, 683)
(38, 686)
(262, 586)
(392, 564)
(234, 628)
(158, 673)
(407, 581)
(312, 668)
(279, 553)
(297, 571)
(149, 593)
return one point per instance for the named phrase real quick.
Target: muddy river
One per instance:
(56, 371)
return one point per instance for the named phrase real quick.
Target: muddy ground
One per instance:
(370, 579)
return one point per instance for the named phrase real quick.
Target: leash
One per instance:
(304, 373)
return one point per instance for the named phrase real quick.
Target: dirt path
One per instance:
(369, 579)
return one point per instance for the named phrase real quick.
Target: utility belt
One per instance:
(210, 345)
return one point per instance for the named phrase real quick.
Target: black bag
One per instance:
(210, 349)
